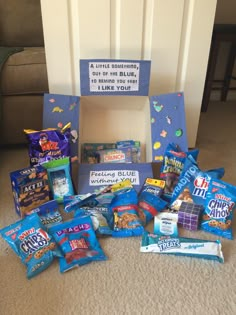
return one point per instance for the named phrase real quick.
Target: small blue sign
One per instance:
(93, 177)
(114, 77)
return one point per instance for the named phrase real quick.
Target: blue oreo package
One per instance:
(32, 243)
(219, 209)
(124, 206)
(172, 166)
(193, 184)
(101, 218)
(78, 243)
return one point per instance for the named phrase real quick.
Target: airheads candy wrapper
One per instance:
(193, 184)
(182, 246)
(78, 243)
(48, 144)
(30, 241)
(149, 201)
(172, 166)
(220, 205)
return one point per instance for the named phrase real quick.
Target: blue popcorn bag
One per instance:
(32, 243)
(219, 209)
(78, 243)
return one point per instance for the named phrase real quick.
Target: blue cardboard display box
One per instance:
(116, 115)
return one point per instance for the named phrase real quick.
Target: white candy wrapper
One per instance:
(182, 246)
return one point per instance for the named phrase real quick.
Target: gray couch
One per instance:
(23, 75)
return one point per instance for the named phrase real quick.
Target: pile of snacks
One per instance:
(183, 195)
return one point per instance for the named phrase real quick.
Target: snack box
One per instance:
(89, 151)
(30, 188)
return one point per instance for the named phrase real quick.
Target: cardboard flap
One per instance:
(59, 110)
(168, 123)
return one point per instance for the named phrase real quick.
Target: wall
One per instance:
(225, 14)
(174, 35)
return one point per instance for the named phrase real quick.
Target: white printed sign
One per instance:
(114, 76)
(98, 178)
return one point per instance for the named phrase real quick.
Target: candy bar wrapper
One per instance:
(182, 246)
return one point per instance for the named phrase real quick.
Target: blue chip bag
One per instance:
(32, 243)
(101, 218)
(172, 166)
(149, 199)
(219, 210)
(78, 243)
(124, 207)
(70, 203)
(193, 184)
(48, 213)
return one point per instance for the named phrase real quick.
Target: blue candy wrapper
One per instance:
(78, 243)
(182, 246)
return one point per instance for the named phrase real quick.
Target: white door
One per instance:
(174, 34)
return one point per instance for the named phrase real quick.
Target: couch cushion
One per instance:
(25, 73)
(21, 23)
(19, 113)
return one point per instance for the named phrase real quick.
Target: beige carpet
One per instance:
(129, 282)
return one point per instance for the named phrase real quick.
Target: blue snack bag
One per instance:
(70, 203)
(59, 176)
(101, 218)
(172, 166)
(32, 243)
(124, 207)
(219, 209)
(48, 213)
(48, 144)
(149, 201)
(78, 243)
(182, 246)
(193, 184)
